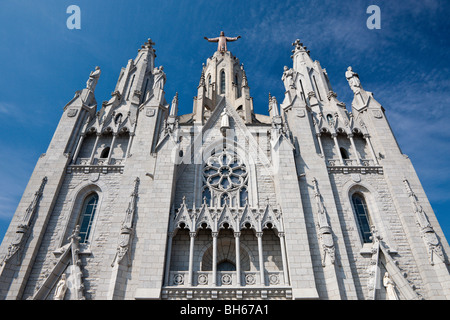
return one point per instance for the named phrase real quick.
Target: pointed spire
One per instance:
(244, 79)
(202, 79)
(174, 107)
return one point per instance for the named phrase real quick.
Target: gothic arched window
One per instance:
(87, 216)
(330, 119)
(118, 118)
(208, 81)
(344, 153)
(105, 152)
(362, 215)
(226, 265)
(222, 81)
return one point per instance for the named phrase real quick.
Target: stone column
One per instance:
(238, 257)
(367, 137)
(191, 257)
(91, 159)
(260, 254)
(130, 141)
(214, 258)
(283, 257)
(358, 158)
(77, 151)
(169, 254)
(111, 148)
(319, 139)
(334, 135)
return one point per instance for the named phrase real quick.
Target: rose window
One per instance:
(225, 178)
(225, 172)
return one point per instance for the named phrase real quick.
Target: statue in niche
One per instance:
(288, 78)
(391, 294)
(61, 288)
(93, 79)
(222, 41)
(224, 122)
(353, 80)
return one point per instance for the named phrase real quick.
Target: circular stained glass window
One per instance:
(225, 172)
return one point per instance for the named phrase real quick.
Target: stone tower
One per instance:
(312, 201)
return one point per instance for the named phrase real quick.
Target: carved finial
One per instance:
(174, 106)
(297, 43)
(244, 78)
(316, 187)
(149, 43)
(202, 79)
(299, 46)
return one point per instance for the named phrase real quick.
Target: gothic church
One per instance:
(133, 200)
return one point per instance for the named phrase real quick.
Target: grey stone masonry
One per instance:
(313, 201)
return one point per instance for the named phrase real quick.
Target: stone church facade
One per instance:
(312, 201)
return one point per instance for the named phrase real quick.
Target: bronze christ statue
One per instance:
(222, 41)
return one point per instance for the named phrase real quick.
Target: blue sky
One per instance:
(405, 64)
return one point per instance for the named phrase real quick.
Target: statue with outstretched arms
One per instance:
(222, 41)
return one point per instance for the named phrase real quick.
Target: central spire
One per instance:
(223, 77)
(222, 41)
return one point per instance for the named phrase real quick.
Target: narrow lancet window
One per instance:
(87, 216)
(222, 82)
(362, 215)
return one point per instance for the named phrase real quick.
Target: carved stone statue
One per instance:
(391, 294)
(174, 106)
(224, 121)
(222, 41)
(61, 288)
(93, 79)
(160, 78)
(353, 79)
(288, 78)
